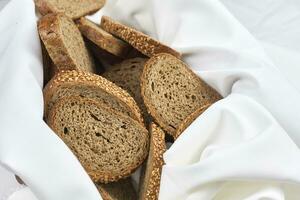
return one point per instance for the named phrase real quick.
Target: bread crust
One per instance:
(103, 39)
(96, 175)
(150, 108)
(79, 77)
(142, 42)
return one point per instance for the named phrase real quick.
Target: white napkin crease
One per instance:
(244, 147)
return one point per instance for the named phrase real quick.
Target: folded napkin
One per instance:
(243, 147)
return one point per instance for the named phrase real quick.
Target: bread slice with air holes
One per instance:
(150, 179)
(171, 91)
(127, 75)
(109, 144)
(73, 9)
(120, 190)
(64, 43)
(84, 84)
(142, 42)
(102, 39)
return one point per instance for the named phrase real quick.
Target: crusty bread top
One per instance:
(103, 39)
(71, 78)
(109, 144)
(64, 43)
(73, 9)
(150, 180)
(171, 91)
(142, 42)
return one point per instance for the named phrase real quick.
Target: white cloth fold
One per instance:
(244, 147)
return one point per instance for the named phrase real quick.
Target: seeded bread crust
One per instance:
(50, 31)
(148, 101)
(143, 43)
(79, 77)
(150, 181)
(96, 175)
(46, 7)
(103, 39)
(189, 120)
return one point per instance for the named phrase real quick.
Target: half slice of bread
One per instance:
(64, 43)
(73, 9)
(109, 144)
(171, 91)
(120, 190)
(142, 42)
(79, 83)
(189, 120)
(150, 179)
(102, 39)
(127, 75)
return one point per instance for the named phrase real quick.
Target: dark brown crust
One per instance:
(100, 176)
(152, 111)
(44, 7)
(80, 77)
(189, 120)
(142, 42)
(103, 39)
(50, 34)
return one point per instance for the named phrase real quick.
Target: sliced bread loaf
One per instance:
(73, 9)
(171, 91)
(79, 83)
(120, 190)
(142, 42)
(189, 120)
(150, 179)
(127, 75)
(102, 39)
(109, 144)
(64, 43)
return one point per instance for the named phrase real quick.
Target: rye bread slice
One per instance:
(64, 43)
(189, 120)
(49, 69)
(73, 9)
(171, 91)
(150, 179)
(102, 39)
(120, 190)
(142, 42)
(84, 84)
(109, 144)
(127, 75)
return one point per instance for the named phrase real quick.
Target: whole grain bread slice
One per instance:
(109, 144)
(171, 91)
(84, 84)
(64, 43)
(102, 39)
(73, 9)
(120, 190)
(127, 75)
(49, 69)
(150, 179)
(142, 42)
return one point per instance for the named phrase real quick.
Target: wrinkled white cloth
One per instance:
(244, 147)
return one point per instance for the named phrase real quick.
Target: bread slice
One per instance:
(127, 75)
(150, 179)
(72, 9)
(102, 39)
(189, 120)
(79, 83)
(142, 42)
(64, 43)
(49, 69)
(109, 144)
(120, 190)
(171, 91)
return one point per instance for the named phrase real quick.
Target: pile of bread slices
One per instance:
(113, 94)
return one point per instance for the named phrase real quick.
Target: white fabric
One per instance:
(244, 147)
